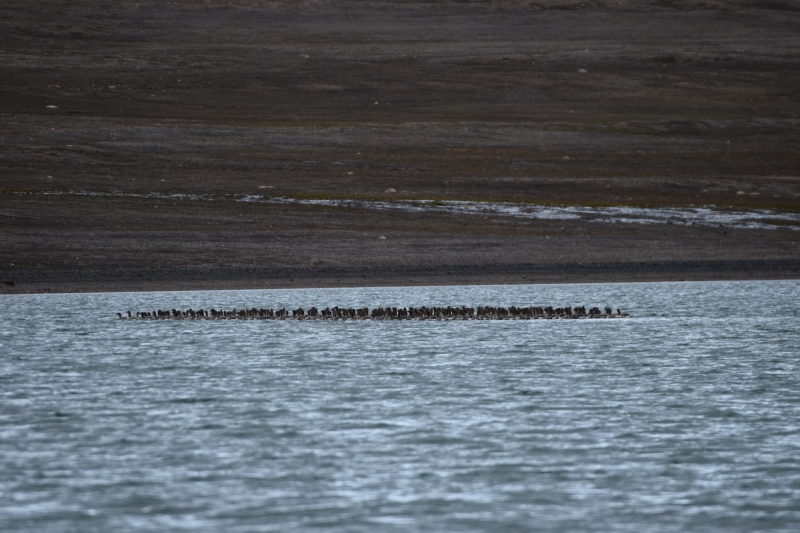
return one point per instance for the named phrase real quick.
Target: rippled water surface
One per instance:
(685, 417)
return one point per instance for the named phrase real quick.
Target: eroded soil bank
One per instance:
(648, 104)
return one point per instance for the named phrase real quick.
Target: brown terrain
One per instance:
(130, 131)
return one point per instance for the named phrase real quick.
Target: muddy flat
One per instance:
(259, 144)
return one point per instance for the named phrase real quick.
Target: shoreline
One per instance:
(253, 145)
(88, 280)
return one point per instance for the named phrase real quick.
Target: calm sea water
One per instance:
(685, 417)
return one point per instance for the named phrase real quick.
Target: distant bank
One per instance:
(89, 279)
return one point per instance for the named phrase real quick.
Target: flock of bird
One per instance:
(382, 313)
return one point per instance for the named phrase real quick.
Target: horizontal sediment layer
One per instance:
(233, 278)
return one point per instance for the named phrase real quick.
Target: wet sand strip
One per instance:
(236, 278)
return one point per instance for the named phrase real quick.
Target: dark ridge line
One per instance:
(266, 273)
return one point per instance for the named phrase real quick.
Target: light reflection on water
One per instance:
(684, 417)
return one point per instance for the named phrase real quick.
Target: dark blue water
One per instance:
(685, 417)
